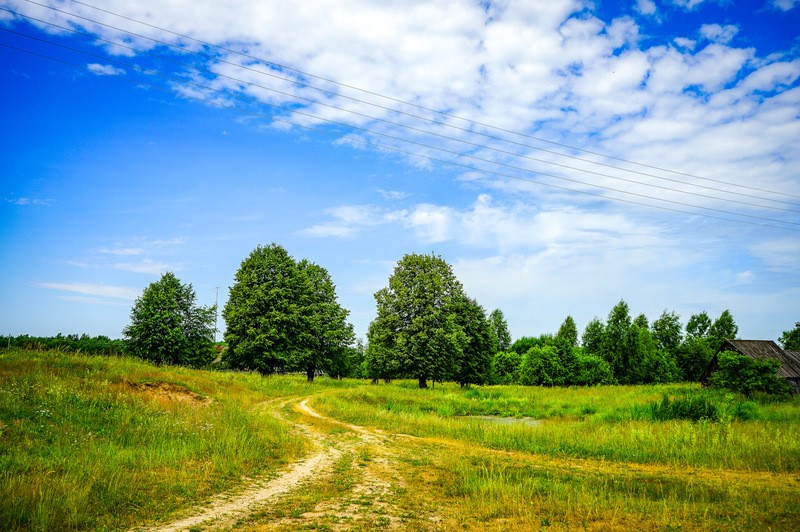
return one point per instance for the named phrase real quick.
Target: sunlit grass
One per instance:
(83, 446)
(598, 422)
(92, 443)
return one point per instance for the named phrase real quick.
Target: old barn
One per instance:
(761, 349)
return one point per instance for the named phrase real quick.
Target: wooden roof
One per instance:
(790, 360)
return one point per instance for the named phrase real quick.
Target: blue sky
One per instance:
(561, 155)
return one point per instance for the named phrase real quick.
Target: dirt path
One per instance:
(226, 509)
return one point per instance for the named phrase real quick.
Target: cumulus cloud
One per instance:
(555, 70)
(718, 33)
(646, 7)
(486, 224)
(784, 5)
(105, 70)
(690, 4)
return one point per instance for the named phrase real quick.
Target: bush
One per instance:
(747, 376)
(691, 408)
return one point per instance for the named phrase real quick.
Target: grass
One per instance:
(109, 443)
(606, 423)
(84, 446)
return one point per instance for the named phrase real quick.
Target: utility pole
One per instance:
(216, 313)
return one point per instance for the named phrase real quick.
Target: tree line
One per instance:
(283, 314)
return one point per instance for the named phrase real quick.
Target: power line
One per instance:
(434, 159)
(441, 113)
(405, 126)
(393, 137)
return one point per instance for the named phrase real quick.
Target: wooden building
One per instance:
(761, 349)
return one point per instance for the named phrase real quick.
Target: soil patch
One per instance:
(169, 392)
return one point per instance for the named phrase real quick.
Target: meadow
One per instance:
(110, 443)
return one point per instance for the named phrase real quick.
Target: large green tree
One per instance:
(416, 332)
(168, 327)
(325, 335)
(284, 314)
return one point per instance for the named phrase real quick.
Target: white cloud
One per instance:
(718, 33)
(505, 227)
(691, 4)
(554, 70)
(30, 201)
(122, 251)
(683, 42)
(781, 255)
(646, 7)
(89, 289)
(105, 70)
(393, 194)
(784, 5)
(147, 266)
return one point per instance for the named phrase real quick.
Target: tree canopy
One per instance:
(426, 327)
(284, 314)
(790, 340)
(167, 327)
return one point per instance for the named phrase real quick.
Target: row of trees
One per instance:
(283, 314)
(71, 343)
(621, 349)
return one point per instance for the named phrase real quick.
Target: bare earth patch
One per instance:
(169, 392)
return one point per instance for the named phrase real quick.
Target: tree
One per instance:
(593, 336)
(473, 364)
(500, 330)
(505, 367)
(284, 314)
(667, 332)
(541, 366)
(641, 322)
(692, 357)
(746, 375)
(167, 327)
(325, 334)
(568, 331)
(724, 328)
(698, 325)
(618, 341)
(416, 332)
(263, 312)
(790, 340)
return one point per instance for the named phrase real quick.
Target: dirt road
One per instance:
(228, 509)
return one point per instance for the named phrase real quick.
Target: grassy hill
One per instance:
(113, 443)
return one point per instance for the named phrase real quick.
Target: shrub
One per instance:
(747, 376)
(687, 407)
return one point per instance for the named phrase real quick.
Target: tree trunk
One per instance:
(423, 382)
(310, 373)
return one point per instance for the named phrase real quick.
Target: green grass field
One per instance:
(110, 443)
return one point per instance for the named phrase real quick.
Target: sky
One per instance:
(561, 155)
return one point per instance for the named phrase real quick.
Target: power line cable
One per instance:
(419, 130)
(430, 158)
(442, 113)
(393, 137)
